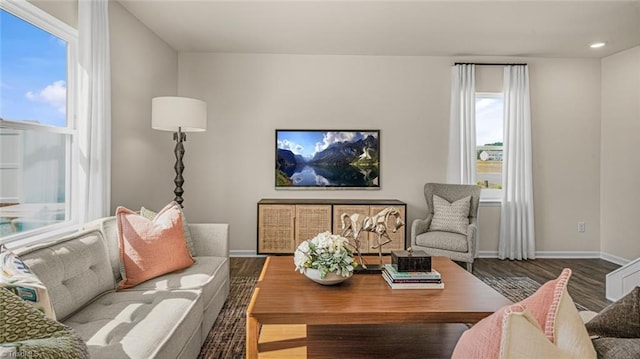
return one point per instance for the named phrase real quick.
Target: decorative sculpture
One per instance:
(353, 224)
(351, 227)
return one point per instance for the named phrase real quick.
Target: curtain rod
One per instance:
(487, 64)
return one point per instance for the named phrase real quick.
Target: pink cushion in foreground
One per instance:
(150, 248)
(544, 303)
(546, 324)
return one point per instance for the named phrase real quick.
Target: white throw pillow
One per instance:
(450, 217)
(16, 277)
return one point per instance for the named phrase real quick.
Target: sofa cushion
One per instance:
(74, 269)
(443, 240)
(109, 229)
(33, 335)
(139, 324)
(450, 216)
(207, 273)
(617, 348)
(149, 214)
(620, 319)
(553, 312)
(149, 248)
(16, 277)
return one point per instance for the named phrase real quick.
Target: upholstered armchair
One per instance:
(450, 228)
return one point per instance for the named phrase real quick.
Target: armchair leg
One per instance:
(470, 267)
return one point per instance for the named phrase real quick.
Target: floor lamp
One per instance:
(178, 115)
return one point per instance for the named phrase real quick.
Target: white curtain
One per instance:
(517, 237)
(461, 167)
(94, 109)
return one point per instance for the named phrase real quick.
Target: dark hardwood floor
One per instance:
(246, 266)
(586, 286)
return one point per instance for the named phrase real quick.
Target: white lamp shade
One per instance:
(168, 113)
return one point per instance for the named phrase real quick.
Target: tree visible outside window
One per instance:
(37, 130)
(489, 137)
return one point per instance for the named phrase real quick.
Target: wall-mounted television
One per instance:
(327, 159)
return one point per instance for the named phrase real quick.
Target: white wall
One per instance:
(64, 10)
(250, 95)
(620, 170)
(230, 167)
(565, 96)
(142, 67)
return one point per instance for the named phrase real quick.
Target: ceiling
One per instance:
(398, 28)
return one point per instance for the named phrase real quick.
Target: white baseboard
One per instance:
(550, 254)
(614, 259)
(487, 254)
(568, 254)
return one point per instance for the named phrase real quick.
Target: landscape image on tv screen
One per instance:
(327, 159)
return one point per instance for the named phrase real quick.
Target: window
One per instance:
(37, 127)
(489, 137)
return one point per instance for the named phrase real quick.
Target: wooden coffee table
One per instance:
(286, 297)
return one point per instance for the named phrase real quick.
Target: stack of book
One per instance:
(411, 280)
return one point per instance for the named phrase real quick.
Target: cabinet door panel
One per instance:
(311, 220)
(276, 228)
(364, 211)
(397, 238)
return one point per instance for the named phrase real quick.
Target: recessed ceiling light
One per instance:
(597, 45)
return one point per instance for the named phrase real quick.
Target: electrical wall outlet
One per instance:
(581, 227)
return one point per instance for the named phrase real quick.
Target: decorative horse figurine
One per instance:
(353, 224)
(351, 227)
(379, 224)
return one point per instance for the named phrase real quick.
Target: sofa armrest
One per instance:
(210, 239)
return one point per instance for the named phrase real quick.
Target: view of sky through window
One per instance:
(489, 119)
(33, 73)
(489, 140)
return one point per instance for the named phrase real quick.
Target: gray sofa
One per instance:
(165, 317)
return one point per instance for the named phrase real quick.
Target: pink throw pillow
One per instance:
(544, 303)
(150, 248)
(549, 315)
(482, 341)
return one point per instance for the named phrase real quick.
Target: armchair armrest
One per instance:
(210, 239)
(420, 226)
(471, 238)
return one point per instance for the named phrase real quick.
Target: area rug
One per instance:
(516, 288)
(226, 338)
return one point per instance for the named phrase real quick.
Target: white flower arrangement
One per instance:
(327, 253)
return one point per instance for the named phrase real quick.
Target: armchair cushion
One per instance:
(450, 216)
(443, 240)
